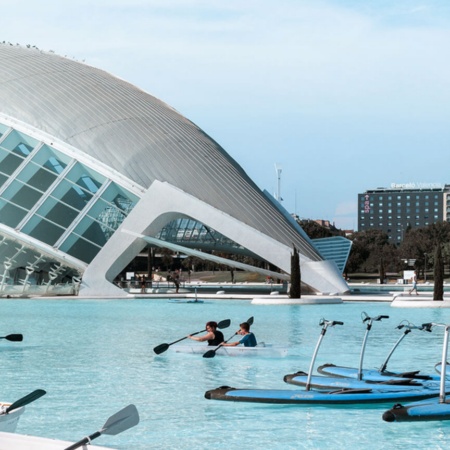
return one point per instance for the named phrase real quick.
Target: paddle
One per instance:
(13, 337)
(212, 353)
(161, 348)
(126, 418)
(25, 400)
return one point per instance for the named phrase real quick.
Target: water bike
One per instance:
(372, 394)
(437, 408)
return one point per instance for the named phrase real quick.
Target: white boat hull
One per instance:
(13, 441)
(8, 422)
(266, 350)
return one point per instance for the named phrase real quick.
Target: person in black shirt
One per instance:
(213, 335)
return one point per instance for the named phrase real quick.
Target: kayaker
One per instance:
(213, 335)
(249, 339)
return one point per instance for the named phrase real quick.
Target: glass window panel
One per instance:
(37, 177)
(86, 178)
(109, 216)
(8, 162)
(71, 195)
(21, 195)
(91, 231)
(51, 159)
(11, 215)
(19, 143)
(3, 179)
(121, 198)
(79, 248)
(57, 212)
(44, 231)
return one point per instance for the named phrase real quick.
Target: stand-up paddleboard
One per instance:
(377, 375)
(293, 397)
(174, 300)
(437, 408)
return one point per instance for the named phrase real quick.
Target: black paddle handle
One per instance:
(183, 338)
(86, 440)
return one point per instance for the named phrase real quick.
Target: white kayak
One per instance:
(8, 422)
(13, 441)
(122, 420)
(263, 350)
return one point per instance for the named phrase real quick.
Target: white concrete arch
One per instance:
(164, 202)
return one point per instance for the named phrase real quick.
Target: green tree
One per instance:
(372, 252)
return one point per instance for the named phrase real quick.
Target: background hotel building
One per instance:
(394, 209)
(93, 170)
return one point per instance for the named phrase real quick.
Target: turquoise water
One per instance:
(93, 357)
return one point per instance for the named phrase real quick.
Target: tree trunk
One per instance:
(438, 291)
(382, 271)
(295, 290)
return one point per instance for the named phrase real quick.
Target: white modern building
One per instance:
(93, 169)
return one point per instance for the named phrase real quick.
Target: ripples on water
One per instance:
(95, 357)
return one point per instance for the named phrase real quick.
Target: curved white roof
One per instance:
(134, 133)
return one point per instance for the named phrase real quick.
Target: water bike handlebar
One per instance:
(329, 323)
(373, 319)
(409, 326)
(428, 326)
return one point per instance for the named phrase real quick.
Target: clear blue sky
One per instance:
(343, 95)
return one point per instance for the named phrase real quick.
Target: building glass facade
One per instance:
(50, 196)
(397, 209)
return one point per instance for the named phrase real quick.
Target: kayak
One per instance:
(8, 422)
(387, 384)
(263, 350)
(437, 408)
(13, 441)
(341, 396)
